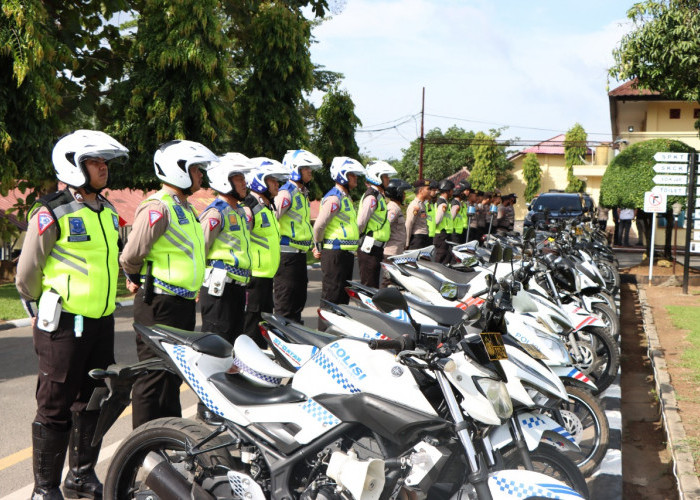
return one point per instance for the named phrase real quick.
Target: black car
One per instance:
(552, 206)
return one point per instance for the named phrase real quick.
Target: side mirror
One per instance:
(496, 254)
(390, 299)
(507, 254)
(448, 290)
(529, 234)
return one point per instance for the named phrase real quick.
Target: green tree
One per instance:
(491, 166)
(443, 154)
(575, 150)
(532, 174)
(178, 87)
(334, 136)
(663, 49)
(631, 174)
(269, 107)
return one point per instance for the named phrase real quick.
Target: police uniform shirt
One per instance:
(501, 216)
(454, 209)
(283, 200)
(368, 207)
(42, 234)
(440, 210)
(397, 239)
(416, 219)
(330, 206)
(212, 223)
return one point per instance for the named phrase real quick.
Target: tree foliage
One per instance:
(663, 49)
(631, 174)
(335, 135)
(532, 174)
(484, 172)
(575, 151)
(440, 160)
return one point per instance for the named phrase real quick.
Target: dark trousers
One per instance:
(225, 314)
(63, 385)
(443, 254)
(290, 284)
(458, 237)
(157, 393)
(370, 265)
(337, 267)
(625, 226)
(259, 301)
(419, 241)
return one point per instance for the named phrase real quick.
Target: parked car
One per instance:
(554, 205)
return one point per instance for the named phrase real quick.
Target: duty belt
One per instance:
(288, 249)
(305, 243)
(174, 290)
(245, 273)
(341, 242)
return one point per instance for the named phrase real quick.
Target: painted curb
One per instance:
(683, 463)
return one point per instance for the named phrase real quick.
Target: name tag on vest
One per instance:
(180, 214)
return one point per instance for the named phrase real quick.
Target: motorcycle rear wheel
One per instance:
(546, 459)
(168, 437)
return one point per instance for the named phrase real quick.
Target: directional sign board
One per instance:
(669, 190)
(695, 247)
(671, 168)
(654, 202)
(676, 180)
(668, 157)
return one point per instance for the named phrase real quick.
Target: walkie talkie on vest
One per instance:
(148, 284)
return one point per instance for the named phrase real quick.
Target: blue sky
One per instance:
(538, 64)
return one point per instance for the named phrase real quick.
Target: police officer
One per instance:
(396, 193)
(482, 211)
(263, 182)
(417, 216)
(458, 220)
(292, 210)
(164, 261)
(336, 234)
(443, 222)
(69, 264)
(430, 209)
(373, 223)
(508, 220)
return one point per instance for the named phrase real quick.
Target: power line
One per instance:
(509, 126)
(385, 128)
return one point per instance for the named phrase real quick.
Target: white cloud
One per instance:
(477, 61)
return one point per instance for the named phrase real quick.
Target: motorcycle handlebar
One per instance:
(397, 344)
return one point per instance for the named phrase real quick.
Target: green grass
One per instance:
(11, 306)
(688, 318)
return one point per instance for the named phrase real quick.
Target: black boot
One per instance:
(49, 454)
(81, 480)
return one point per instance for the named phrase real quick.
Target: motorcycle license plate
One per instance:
(495, 348)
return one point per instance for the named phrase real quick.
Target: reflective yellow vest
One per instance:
(178, 255)
(458, 219)
(446, 221)
(295, 223)
(378, 226)
(342, 232)
(264, 239)
(230, 249)
(430, 219)
(82, 266)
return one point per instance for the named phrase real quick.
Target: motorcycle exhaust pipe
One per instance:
(169, 484)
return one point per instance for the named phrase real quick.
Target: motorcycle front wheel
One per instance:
(169, 438)
(601, 356)
(547, 460)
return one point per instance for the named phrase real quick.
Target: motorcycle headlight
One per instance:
(554, 344)
(497, 394)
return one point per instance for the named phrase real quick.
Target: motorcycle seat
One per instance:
(241, 391)
(386, 325)
(205, 342)
(297, 333)
(449, 273)
(447, 316)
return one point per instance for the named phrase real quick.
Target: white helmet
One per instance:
(295, 159)
(262, 169)
(219, 173)
(341, 166)
(72, 149)
(375, 170)
(173, 159)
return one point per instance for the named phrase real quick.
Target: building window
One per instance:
(674, 113)
(696, 114)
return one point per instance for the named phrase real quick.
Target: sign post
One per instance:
(654, 203)
(692, 168)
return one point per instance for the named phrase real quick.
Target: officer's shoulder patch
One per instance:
(213, 222)
(416, 210)
(391, 216)
(44, 220)
(444, 207)
(373, 202)
(286, 202)
(334, 207)
(154, 216)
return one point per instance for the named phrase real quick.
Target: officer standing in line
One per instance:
(164, 261)
(263, 182)
(430, 210)
(443, 222)
(508, 221)
(69, 264)
(472, 229)
(492, 216)
(417, 216)
(396, 193)
(372, 221)
(292, 210)
(482, 211)
(336, 234)
(458, 221)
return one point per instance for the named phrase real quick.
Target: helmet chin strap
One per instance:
(88, 186)
(236, 196)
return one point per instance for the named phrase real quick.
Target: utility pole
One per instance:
(422, 139)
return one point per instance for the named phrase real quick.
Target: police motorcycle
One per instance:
(594, 352)
(342, 429)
